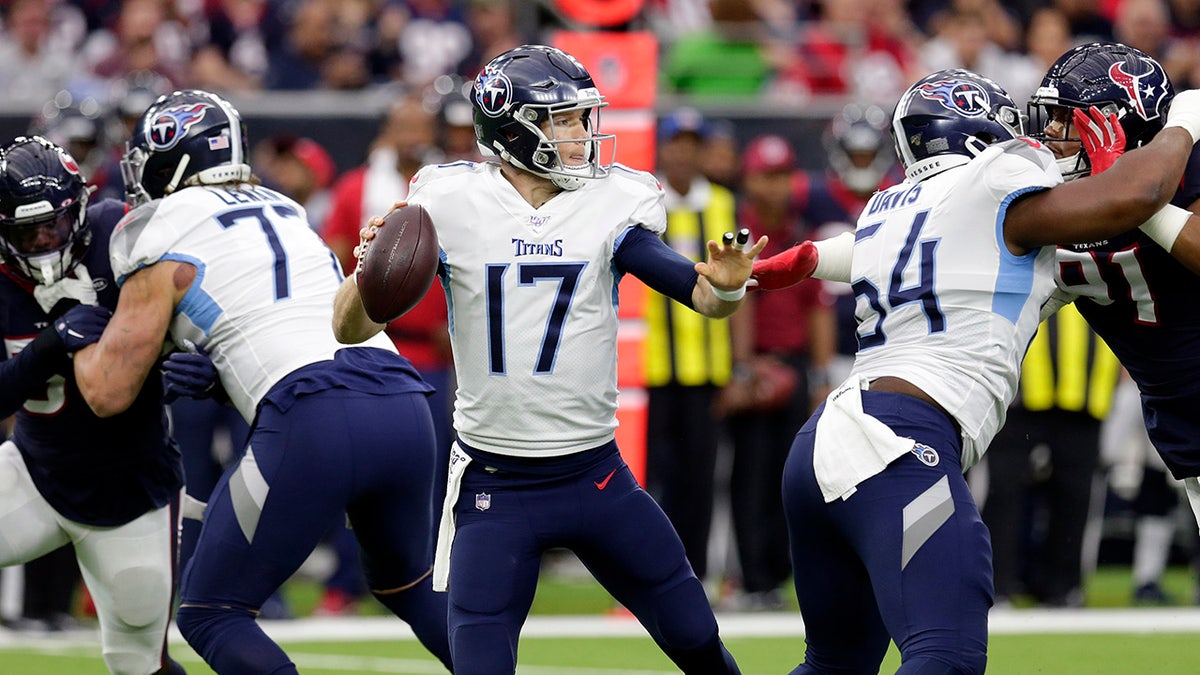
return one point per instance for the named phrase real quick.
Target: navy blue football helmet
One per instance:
(185, 138)
(1113, 77)
(524, 88)
(43, 209)
(949, 117)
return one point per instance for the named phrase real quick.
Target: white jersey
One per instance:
(941, 302)
(261, 304)
(532, 296)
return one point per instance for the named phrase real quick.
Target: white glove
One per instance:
(78, 288)
(1185, 113)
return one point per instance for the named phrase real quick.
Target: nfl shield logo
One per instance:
(483, 501)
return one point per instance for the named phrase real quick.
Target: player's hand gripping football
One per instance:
(729, 263)
(785, 269)
(367, 233)
(1102, 136)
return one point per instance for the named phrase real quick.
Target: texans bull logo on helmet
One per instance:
(172, 124)
(68, 162)
(1142, 95)
(963, 97)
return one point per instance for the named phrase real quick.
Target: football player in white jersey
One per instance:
(533, 247)
(216, 261)
(951, 269)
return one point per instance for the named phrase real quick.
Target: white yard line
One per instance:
(771, 624)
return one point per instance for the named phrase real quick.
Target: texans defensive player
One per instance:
(110, 486)
(533, 246)
(1130, 289)
(217, 260)
(951, 269)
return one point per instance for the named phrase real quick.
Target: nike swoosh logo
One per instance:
(604, 483)
(73, 333)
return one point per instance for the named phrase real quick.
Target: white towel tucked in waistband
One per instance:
(851, 446)
(441, 559)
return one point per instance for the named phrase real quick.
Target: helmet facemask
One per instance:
(1052, 119)
(45, 243)
(547, 160)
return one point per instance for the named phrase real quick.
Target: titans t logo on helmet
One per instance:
(963, 97)
(1140, 94)
(493, 91)
(172, 124)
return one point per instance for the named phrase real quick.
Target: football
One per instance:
(399, 265)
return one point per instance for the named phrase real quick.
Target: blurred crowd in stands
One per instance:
(779, 49)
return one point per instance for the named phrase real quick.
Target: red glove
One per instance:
(1103, 138)
(784, 269)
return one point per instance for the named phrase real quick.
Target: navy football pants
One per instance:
(905, 557)
(331, 454)
(506, 520)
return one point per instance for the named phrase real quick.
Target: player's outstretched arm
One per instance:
(1139, 183)
(111, 372)
(722, 282)
(1173, 228)
(827, 259)
(351, 325)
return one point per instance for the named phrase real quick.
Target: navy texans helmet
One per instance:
(43, 209)
(185, 138)
(522, 90)
(949, 117)
(1113, 77)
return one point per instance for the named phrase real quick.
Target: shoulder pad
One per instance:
(434, 172)
(127, 247)
(622, 172)
(1029, 149)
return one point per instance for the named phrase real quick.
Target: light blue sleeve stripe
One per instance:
(444, 279)
(1014, 280)
(196, 305)
(617, 274)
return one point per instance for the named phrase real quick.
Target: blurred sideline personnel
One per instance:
(1140, 480)
(953, 268)
(109, 486)
(688, 356)
(860, 162)
(222, 265)
(768, 396)
(1066, 388)
(533, 246)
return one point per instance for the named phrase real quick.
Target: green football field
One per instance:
(1058, 654)
(570, 633)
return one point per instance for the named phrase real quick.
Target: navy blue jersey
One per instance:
(1143, 303)
(95, 471)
